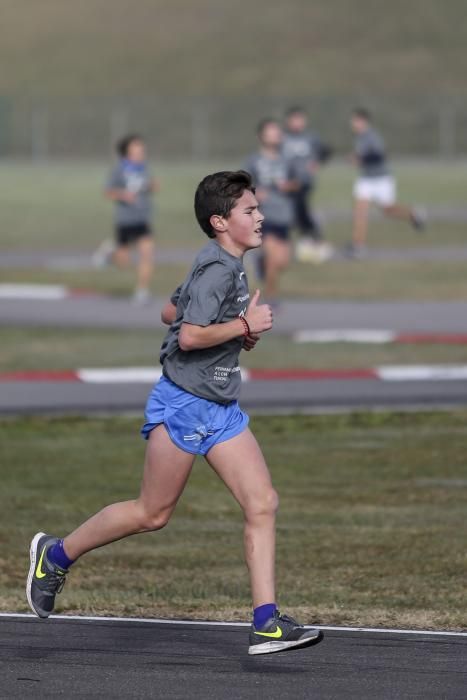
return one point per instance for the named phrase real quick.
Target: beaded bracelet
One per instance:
(246, 327)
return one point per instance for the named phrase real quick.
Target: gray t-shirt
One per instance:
(371, 153)
(301, 150)
(267, 173)
(215, 291)
(125, 176)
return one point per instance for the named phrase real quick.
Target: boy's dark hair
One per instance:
(264, 123)
(218, 194)
(123, 144)
(362, 113)
(296, 109)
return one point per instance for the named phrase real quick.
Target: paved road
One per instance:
(106, 312)
(268, 396)
(98, 659)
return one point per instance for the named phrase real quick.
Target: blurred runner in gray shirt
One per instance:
(130, 186)
(305, 150)
(374, 183)
(274, 179)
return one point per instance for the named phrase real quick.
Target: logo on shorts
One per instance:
(201, 432)
(241, 274)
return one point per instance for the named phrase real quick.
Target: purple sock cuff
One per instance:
(262, 614)
(57, 555)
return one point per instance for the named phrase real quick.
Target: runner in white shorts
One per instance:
(375, 183)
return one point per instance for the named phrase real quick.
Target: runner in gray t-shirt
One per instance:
(306, 152)
(275, 180)
(210, 320)
(374, 184)
(131, 187)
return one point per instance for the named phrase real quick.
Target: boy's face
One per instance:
(243, 226)
(358, 124)
(296, 122)
(271, 135)
(136, 151)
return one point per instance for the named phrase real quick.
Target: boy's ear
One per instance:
(218, 223)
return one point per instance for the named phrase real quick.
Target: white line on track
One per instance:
(47, 292)
(210, 623)
(119, 375)
(345, 336)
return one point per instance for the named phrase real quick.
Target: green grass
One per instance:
(51, 348)
(60, 207)
(371, 529)
(237, 49)
(363, 280)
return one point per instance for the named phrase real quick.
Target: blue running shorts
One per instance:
(193, 424)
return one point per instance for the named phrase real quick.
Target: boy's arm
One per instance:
(168, 313)
(120, 196)
(258, 318)
(169, 310)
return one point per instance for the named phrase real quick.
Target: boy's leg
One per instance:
(121, 256)
(399, 211)
(276, 259)
(306, 222)
(145, 246)
(240, 464)
(166, 471)
(360, 222)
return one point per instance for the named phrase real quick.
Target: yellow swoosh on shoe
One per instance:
(39, 572)
(277, 634)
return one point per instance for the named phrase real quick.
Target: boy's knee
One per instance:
(265, 503)
(154, 520)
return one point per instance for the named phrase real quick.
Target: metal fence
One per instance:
(217, 127)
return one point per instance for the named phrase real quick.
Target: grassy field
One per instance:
(233, 49)
(55, 349)
(371, 530)
(60, 207)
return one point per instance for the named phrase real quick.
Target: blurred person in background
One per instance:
(131, 187)
(307, 153)
(274, 180)
(375, 183)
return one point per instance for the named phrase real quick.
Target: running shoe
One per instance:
(103, 254)
(355, 252)
(281, 633)
(45, 579)
(309, 251)
(418, 218)
(141, 297)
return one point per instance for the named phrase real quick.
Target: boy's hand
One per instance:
(128, 197)
(259, 318)
(250, 341)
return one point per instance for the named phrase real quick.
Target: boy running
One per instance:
(131, 187)
(374, 184)
(273, 177)
(194, 410)
(305, 150)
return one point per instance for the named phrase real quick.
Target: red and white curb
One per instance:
(378, 337)
(148, 375)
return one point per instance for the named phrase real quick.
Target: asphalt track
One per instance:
(281, 396)
(135, 659)
(106, 312)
